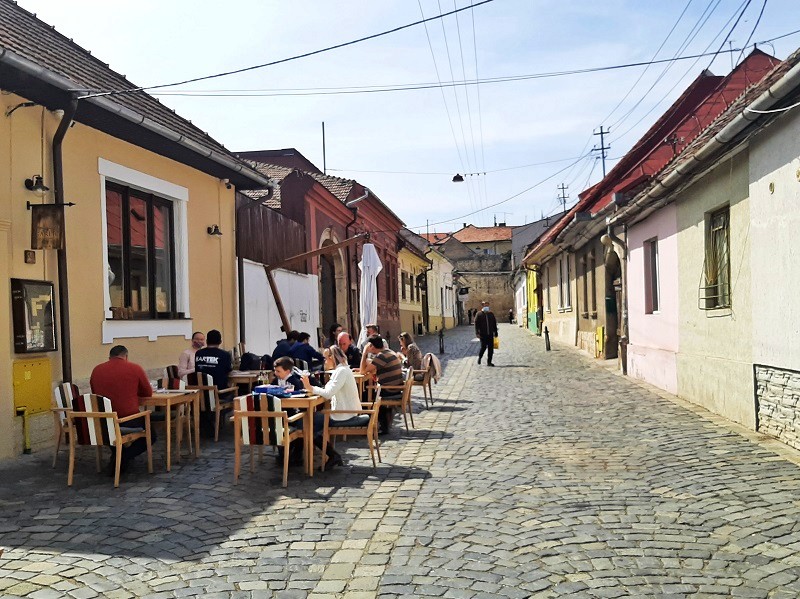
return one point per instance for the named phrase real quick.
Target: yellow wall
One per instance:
(533, 301)
(410, 311)
(212, 272)
(715, 367)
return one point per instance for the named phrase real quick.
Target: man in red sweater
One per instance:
(123, 382)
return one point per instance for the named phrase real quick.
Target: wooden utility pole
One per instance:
(603, 147)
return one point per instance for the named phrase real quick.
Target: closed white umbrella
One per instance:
(370, 266)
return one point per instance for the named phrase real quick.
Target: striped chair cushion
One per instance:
(253, 428)
(94, 431)
(209, 396)
(64, 394)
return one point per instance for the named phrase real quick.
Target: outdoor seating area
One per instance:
(291, 420)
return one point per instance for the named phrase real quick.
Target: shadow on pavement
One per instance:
(182, 515)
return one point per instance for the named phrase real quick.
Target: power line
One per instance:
(296, 57)
(753, 31)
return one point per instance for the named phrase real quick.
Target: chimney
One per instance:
(465, 226)
(501, 224)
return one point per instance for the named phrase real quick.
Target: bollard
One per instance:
(441, 341)
(546, 339)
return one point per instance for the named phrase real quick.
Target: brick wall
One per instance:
(778, 394)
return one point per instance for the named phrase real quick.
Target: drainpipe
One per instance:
(609, 239)
(350, 205)
(240, 259)
(63, 283)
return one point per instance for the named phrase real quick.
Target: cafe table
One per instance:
(309, 404)
(169, 399)
(247, 377)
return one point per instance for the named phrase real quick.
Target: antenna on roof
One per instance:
(324, 161)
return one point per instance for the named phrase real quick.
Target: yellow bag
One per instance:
(497, 342)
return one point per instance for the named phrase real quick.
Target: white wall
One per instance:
(521, 300)
(300, 296)
(775, 245)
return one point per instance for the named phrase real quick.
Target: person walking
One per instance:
(486, 330)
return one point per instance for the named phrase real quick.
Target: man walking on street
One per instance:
(486, 330)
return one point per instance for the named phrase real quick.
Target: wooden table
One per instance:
(309, 404)
(169, 400)
(247, 377)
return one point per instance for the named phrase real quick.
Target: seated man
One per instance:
(303, 351)
(284, 346)
(388, 370)
(215, 361)
(123, 382)
(372, 330)
(345, 342)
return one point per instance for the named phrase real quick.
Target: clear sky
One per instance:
(495, 126)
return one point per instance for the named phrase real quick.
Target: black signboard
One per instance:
(33, 314)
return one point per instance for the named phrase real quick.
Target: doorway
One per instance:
(613, 296)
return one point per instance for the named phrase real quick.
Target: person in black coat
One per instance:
(486, 330)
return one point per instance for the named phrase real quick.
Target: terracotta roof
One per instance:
(290, 157)
(22, 33)
(435, 237)
(274, 172)
(682, 123)
(750, 95)
(473, 234)
(339, 187)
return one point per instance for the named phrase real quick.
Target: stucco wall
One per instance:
(775, 242)
(653, 338)
(715, 347)
(561, 322)
(211, 268)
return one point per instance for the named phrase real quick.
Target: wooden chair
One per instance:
(184, 411)
(425, 383)
(403, 402)
(92, 421)
(258, 420)
(63, 396)
(301, 364)
(210, 400)
(367, 425)
(171, 372)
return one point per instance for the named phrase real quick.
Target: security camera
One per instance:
(227, 183)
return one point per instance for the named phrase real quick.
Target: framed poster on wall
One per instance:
(33, 315)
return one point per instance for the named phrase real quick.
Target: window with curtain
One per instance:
(141, 254)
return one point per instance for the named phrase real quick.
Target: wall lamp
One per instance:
(214, 230)
(36, 185)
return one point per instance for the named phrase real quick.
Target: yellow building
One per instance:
(412, 266)
(441, 293)
(143, 264)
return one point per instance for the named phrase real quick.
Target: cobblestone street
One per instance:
(547, 476)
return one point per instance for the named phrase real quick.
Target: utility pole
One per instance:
(563, 196)
(603, 147)
(324, 160)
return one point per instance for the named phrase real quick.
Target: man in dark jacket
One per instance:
(486, 330)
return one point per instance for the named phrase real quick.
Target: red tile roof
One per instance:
(702, 102)
(435, 237)
(473, 234)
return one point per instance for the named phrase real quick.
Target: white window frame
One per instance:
(179, 196)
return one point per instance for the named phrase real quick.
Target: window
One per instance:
(585, 281)
(716, 293)
(564, 290)
(141, 254)
(403, 284)
(651, 291)
(547, 287)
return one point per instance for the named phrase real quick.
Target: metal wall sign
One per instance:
(33, 315)
(47, 227)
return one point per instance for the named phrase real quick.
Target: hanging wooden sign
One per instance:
(47, 227)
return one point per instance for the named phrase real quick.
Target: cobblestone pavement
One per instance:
(546, 476)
